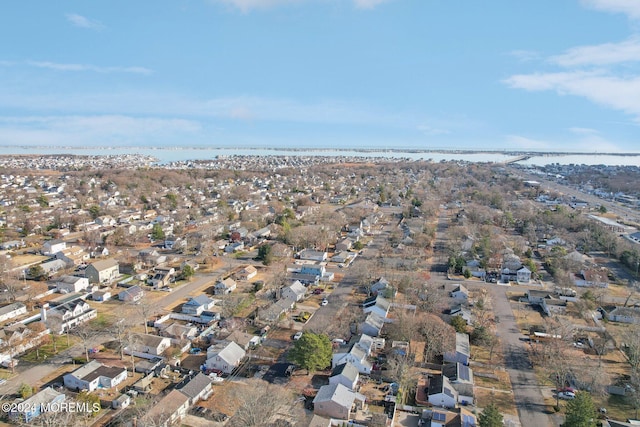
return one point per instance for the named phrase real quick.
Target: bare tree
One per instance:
(264, 405)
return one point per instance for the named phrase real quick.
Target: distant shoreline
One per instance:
(337, 149)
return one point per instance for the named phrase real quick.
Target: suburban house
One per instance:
(461, 378)
(32, 407)
(436, 390)
(274, 311)
(459, 293)
(318, 269)
(624, 315)
(457, 417)
(94, 375)
(52, 246)
(148, 344)
(66, 316)
(372, 324)
(101, 295)
(312, 255)
(547, 301)
(462, 352)
(461, 311)
(132, 294)
(382, 287)
(72, 256)
(12, 310)
(196, 388)
(225, 356)
(244, 340)
(523, 275)
(377, 304)
(69, 284)
(295, 291)
(337, 401)
(592, 278)
(344, 244)
(102, 271)
(161, 277)
(357, 356)
(225, 286)
(196, 305)
(168, 411)
(178, 331)
(247, 273)
(346, 374)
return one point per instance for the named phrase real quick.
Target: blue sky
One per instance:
(540, 75)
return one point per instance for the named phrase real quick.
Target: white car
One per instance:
(324, 302)
(566, 395)
(215, 378)
(298, 335)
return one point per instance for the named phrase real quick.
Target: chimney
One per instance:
(43, 312)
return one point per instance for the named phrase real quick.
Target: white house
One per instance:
(357, 356)
(523, 275)
(94, 375)
(12, 310)
(225, 286)
(52, 246)
(296, 291)
(247, 273)
(132, 294)
(168, 411)
(459, 293)
(197, 388)
(148, 344)
(311, 255)
(196, 305)
(346, 374)
(66, 316)
(69, 284)
(376, 304)
(441, 392)
(225, 356)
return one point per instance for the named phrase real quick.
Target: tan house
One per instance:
(103, 271)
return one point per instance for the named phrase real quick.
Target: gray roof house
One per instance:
(196, 305)
(295, 291)
(337, 401)
(346, 374)
(103, 271)
(372, 324)
(462, 352)
(94, 375)
(197, 388)
(225, 286)
(225, 356)
(376, 304)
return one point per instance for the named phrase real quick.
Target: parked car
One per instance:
(195, 350)
(324, 302)
(318, 291)
(298, 335)
(566, 395)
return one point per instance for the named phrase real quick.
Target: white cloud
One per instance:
(525, 55)
(88, 67)
(628, 7)
(602, 54)
(83, 22)
(583, 131)
(619, 93)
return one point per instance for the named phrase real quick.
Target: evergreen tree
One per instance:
(312, 351)
(580, 412)
(490, 417)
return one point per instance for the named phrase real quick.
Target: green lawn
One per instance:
(46, 351)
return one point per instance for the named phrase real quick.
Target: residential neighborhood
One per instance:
(190, 293)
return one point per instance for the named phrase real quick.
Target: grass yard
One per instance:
(46, 351)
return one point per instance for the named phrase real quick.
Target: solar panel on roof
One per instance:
(464, 373)
(438, 416)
